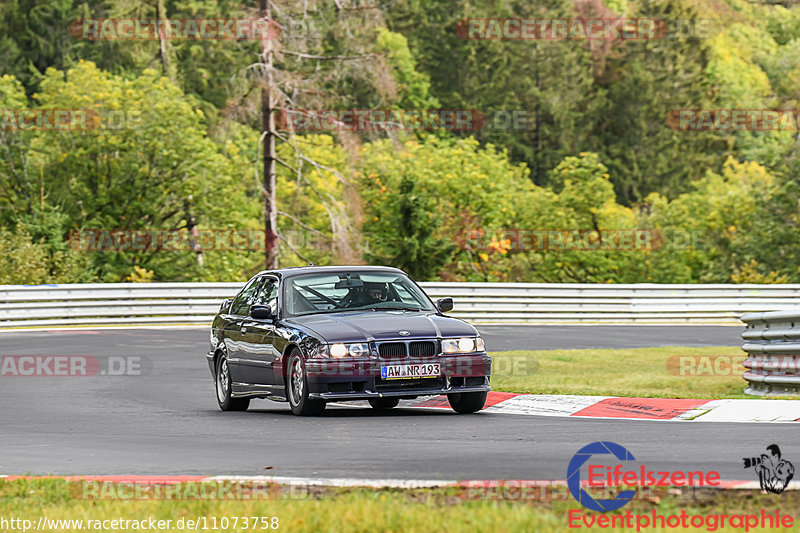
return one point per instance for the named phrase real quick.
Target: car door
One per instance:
(258, 353)
(233, 331)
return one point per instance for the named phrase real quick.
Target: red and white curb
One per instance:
(351, 482)
(633, 408)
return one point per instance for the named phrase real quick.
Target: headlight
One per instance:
(358, 350)
(338, 351)
(462, 345)
(466, 345)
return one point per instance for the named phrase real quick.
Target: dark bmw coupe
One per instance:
(312, 335)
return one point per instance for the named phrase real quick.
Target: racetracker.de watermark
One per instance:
(202, 490)
(734, 119)
(515, 239)
(581, 29)
(148, 240)
(73, 366)
(114, 29)
(74, 120)
(705, 365)
(366, 120)
(535, 490)
(501, 366)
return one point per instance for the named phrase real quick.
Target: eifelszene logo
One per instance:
(604, 476)
(774, 473)
(574, 476)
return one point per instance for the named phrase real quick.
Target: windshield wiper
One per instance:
(356, 309)
(393, 309)
(323, 311)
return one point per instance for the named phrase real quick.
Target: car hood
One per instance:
(382, 325)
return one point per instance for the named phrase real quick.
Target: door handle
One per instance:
(244, 329)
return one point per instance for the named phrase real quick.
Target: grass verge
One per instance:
(665, 372)
(345, 510)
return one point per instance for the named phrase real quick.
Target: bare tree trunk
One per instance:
(164, 53)
(268, 128)
(191, 226)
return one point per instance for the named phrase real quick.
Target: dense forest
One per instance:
(539, 159)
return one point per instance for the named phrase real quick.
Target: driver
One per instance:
(375, 294)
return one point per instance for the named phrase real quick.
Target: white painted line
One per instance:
(341, 482)
(749, 411)
(390, 483)
(618, 322)
(434, 483)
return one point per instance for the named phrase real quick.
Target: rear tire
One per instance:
(297, 389)
(225, 400)
(467, 402)
(384, 404)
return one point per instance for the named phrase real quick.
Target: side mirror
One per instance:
(262, 312)
(444, 304)
(226, 305)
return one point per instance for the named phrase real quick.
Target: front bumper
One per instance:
(336, 379)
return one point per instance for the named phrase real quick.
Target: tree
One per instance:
(314, 73)
(138, 173)
(425, 200)
(549, 82)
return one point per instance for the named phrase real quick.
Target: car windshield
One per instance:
(347, 291)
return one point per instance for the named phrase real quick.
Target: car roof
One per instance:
(296, 271)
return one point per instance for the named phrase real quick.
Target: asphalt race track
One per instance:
(167, 422)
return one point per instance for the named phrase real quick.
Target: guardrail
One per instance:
(567, 303)
(772, 343)
(481, 303)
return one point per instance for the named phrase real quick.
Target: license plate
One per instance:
(430, 370)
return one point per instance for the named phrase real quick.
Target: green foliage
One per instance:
(726, 215)
(414, 245)
(423, 198)
(617, 6)
(413, 86)
(583, 184)
(460, 509)
(35, 37)
(141, 172)
(737, 80)
(598, 155)
(25, 261)
(550, 81)
(782, 23)
(317, 203)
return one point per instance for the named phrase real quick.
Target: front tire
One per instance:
(467, 402)
(224, 390)
(384, 404)
(297, 389)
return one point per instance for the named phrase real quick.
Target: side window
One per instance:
(268, 295)
(241, 305)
